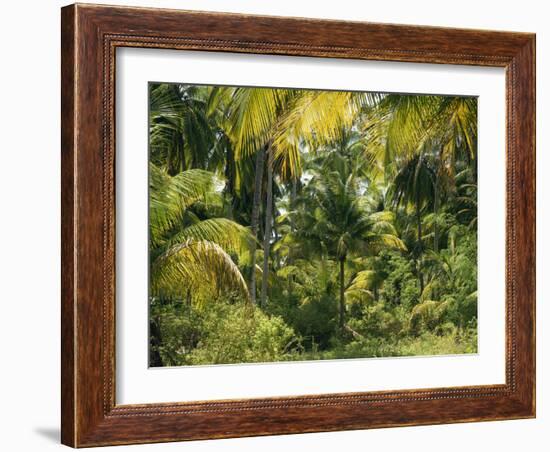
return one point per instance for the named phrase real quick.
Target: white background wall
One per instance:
(29, 225)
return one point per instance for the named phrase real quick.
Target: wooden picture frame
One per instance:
(90, 36)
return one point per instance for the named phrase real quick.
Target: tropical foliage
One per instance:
(290, 224)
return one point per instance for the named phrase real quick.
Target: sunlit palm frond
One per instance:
(381, 241)
(196, 265)
(170, 196)
(363, 280)
(319, 116)
(228, 234)
(254, 113)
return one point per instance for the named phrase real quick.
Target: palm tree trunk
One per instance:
(436, 212)
(230, 178)
(419, 239)
(294, 191)
(268, 225)
(436, 227)
(155, 360)
(342, 295)
(275, 264)
(255, 218)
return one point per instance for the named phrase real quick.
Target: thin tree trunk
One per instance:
(342, 295)
(436, 212)
(418, 260)
(268, 226)
(436, 227)
(475, 164)
(230, 178)
(293, 195)
(294, 191)
(420, 278)
(155, 360)
(275, 260)
(255, 218)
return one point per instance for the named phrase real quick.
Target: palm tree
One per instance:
(408, 122)
(338, 221)
(367, 282)
(414, 187)
(278, 122)
(441, 128)
(268, 226)
(425, 138)
(254, 113)
(255, 218)
(464, 204)
(187, 251)
(181, 133)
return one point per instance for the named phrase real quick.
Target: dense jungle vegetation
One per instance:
(290, 224)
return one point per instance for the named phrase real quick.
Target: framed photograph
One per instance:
(280, 225)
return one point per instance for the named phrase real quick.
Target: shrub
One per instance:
(237, 334)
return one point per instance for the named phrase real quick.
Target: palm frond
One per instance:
(170, 196)
(231, 236)
(197, 265)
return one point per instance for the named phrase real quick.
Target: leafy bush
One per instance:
(223, 333)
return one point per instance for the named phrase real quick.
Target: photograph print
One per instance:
(299, 225)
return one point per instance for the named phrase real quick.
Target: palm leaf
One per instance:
(196, 265)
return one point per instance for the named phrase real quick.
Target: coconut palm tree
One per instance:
(181, 133)
(413, 187)
(187, 252)
(337, 221)
(278, 123)
(408, 122)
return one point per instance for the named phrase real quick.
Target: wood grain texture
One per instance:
(67, 226)
(90, 36)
